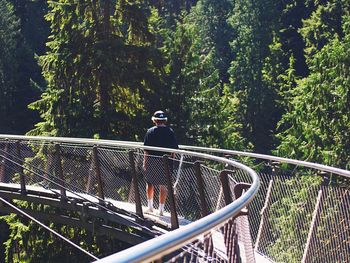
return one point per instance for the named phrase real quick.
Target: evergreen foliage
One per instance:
(318, 122)
(253, 110)
(264, 76)
(99, 63)
(212, 47)
(16, 88)
(225, 71)
(29, 242)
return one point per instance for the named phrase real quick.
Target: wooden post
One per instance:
(21, 174)
(59, 171)
(225, 186)
(238, 191)
(98, 172)
(2, 164)
(200, 184)
(90, 183)
(174, 219)
(135, 185)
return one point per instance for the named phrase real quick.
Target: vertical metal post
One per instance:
(50, 159)
(312, 227)
(200, 184)
(21, 174)
(232, 241)
(59, 170)
(2, 164)
(135, 185)
(225, 186)
(263, 215)
(174, 219)
(98, 172)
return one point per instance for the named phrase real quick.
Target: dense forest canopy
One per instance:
(267, 76)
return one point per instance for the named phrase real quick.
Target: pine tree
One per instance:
(212, 46)
(318, 123)
(323, 24)
(15, 86)
(99, 64)
(197, 57)
(251, 101)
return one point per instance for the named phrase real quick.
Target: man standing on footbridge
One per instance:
(159, 135)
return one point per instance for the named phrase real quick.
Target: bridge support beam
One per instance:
(4, 153)
(225, 186)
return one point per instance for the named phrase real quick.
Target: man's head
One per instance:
(159, 117)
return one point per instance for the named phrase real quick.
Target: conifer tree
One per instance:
(317, 125)
(212, 46)
(100, 61)
(197, 56)
(16, 90)
(251, 101)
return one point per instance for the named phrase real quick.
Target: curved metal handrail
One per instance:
(321, 167)
(164, 244)
(148, 251)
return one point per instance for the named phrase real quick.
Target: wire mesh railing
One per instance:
(299, 214)
(108, 171)
(301, 211)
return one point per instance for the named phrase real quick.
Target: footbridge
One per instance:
(222, 205)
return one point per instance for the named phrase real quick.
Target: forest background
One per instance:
(268, 76)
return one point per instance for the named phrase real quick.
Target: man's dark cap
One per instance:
(159, 116)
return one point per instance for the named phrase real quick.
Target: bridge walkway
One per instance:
(299, 214)
(125, 210)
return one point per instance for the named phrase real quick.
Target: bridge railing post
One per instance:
(313, 227)
(174, 220)
(4, 153)
(225, 186)
(264, 217)
(59, 170)
(135, 185)
(98, 172)
(237, 189)
(21, 173)
(90, 179)
(201, 186)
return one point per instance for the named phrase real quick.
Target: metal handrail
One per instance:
(167, 243)
(164, 244)
(132, 144)
(320, 167)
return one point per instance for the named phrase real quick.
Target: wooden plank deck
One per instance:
(129, 207)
